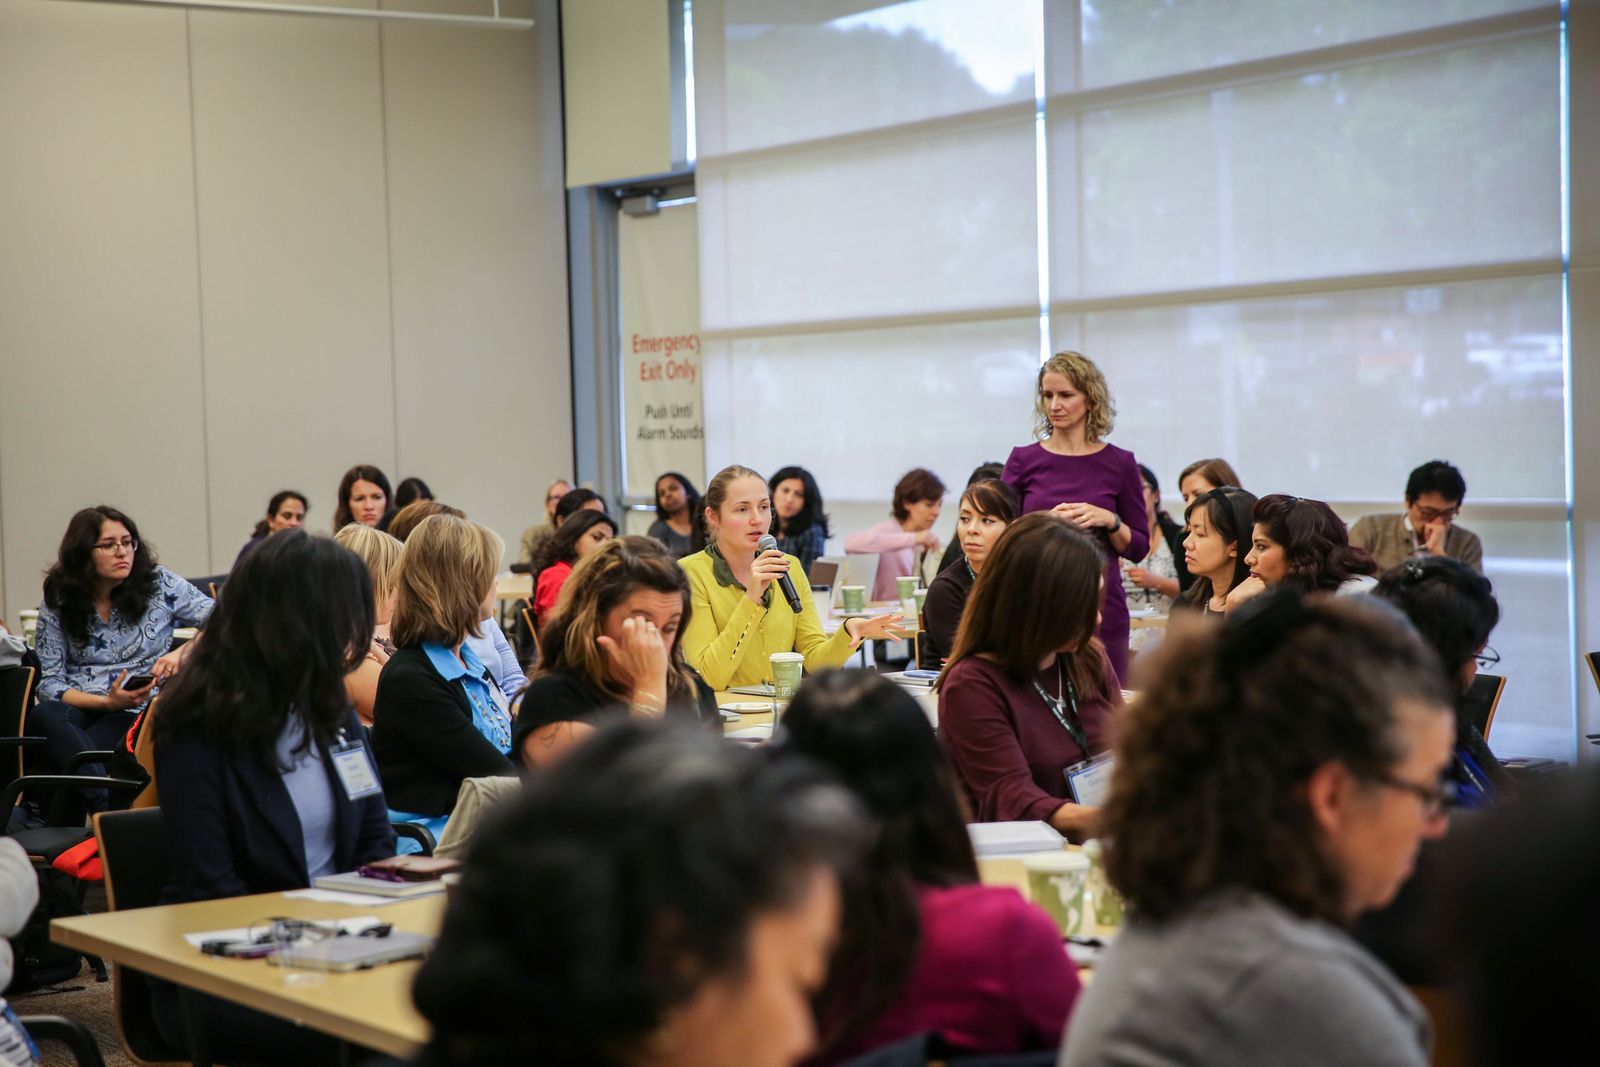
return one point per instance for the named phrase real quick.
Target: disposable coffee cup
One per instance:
(30, 626)
(786, 667)
(921, 598)
(852, 597)
(908, 586)
(1055, 882)
(1106, 902)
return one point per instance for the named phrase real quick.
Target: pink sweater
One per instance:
(992, 976)
(897, 555)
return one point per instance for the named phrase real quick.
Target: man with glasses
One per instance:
(1427, 527)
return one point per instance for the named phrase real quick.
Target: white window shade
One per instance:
(773, 72)
(1339, 395)
(859, 408)
(1130, 40)
(935, 224)
(1436, 160)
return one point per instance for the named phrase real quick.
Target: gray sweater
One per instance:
(1241, 980)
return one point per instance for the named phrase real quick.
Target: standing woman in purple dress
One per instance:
(1071, 470)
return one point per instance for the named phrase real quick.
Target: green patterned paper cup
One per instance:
(1055, 882)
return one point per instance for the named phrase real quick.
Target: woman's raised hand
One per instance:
(767, 568)
(640, 661)
(879, 627)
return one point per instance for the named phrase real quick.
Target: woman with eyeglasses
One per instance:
(105, 638)
(1274, 781)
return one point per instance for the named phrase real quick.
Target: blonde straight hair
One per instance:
(379, 551)
(446, 571)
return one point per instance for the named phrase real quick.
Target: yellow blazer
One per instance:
(730, 639)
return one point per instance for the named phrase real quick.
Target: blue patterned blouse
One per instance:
(131, 645)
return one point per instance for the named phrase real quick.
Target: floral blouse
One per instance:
(119, 645)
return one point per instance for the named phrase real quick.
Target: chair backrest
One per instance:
(133, 849)
(530, 629)
(1593, 659)
(16, 694)
(1481, 700)
(144, 750)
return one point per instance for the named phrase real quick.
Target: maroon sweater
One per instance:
(1009, 749)
(992, 976)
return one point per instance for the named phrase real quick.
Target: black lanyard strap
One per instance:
(1060, 706)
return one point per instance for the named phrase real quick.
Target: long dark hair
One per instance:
(877, 741)
(1208, 790)
(811, 513)
(69, 583)
(274, 504)
(410, 491)
(562, 546)
(697, 538)
(361, 472)
(573, 501)
(1228, 509)
(1316, 544)
(1039, 592)
(298, 617)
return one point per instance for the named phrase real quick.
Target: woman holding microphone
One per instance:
(1072, 470)
(738, 619)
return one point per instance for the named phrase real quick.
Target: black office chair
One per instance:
(1481, 700)
(133, 851)
(79, 1041)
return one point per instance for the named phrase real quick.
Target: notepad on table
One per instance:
(990, 839)
(357, 883)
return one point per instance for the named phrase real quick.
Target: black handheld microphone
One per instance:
(768, 543)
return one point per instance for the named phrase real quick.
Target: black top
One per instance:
(561, 697)
(423, 737)
(952, 552)
(232, 829)
(1174, 532)
(941, 614)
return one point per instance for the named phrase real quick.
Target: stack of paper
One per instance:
(990, 839)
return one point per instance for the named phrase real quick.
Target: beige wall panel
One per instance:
(478, 230)
(618, 89)
(293, 260)
(99, 349)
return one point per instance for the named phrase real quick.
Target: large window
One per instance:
(1323, 239)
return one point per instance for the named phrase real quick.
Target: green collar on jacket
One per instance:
(724, 574)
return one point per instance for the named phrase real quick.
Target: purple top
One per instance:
(991, 976)
(1109, 479)
(1010, 751)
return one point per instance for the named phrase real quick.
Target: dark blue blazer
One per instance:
(232, 829)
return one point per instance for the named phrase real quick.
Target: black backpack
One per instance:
(37, 961)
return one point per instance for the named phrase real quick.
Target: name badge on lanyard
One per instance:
(355, 769)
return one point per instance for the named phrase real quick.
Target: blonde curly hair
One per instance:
(1080, 370)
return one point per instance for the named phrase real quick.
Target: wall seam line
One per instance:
(388, 248)
(199, 286)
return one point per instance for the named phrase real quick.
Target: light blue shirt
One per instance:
(131, 645)
(490, 715)
(495, 652)
(312, 794)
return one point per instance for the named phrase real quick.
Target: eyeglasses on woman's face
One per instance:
(125, 546)
(1435, 798)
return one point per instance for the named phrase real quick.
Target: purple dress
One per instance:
(1109, 479)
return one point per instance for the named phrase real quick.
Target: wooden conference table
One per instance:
(372, 1008)
(368, 1008)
